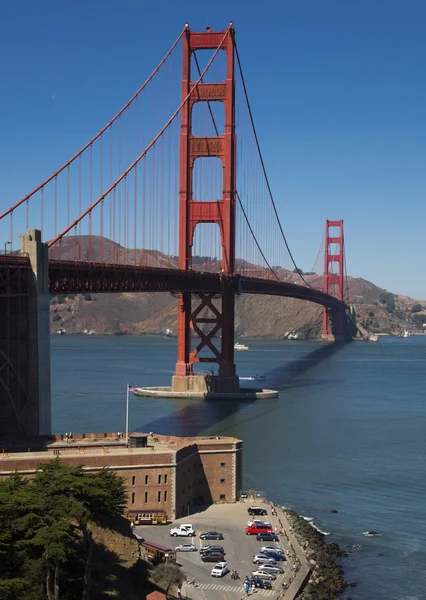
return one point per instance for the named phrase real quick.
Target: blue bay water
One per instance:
(347, 432)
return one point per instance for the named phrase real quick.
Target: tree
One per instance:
(82, 497)
(416, 308)
(45, 539)
(166, 576)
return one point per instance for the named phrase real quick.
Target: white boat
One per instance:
(61, 331)
(239, 346)
(292, 336)
(253, 378)
(168, 332)
(373, 338)
(404, 334)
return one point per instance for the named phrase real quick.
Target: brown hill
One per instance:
(256, 316)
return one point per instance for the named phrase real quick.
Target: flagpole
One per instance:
(127, 413)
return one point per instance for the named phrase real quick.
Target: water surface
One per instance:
(347, 432)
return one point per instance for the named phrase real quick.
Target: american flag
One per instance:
(132, 389)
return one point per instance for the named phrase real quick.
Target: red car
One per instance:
(258, 528)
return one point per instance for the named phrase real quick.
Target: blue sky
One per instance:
(337, 88)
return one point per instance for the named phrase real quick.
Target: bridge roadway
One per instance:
(79, 277)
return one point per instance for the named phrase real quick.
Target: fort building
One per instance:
(163, 474)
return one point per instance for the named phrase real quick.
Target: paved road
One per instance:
(231, 520)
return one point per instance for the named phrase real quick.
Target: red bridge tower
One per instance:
(333, 326)
(194, 310)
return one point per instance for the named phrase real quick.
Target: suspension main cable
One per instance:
(319, 250)
(238, 195)
(98, 135)
(144, 152)
(264, 168)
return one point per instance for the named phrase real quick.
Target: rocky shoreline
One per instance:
(326, 580)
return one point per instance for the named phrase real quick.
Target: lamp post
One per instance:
(5, 246)
(75, 250)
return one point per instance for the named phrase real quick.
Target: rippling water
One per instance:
(347, 433)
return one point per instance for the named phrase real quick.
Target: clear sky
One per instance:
(338, 91)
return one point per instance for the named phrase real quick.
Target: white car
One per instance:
(263, 574)
(257, 522)
(220, 569)
(186, 548)
(187, 530)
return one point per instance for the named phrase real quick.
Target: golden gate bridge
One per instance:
(171, 195)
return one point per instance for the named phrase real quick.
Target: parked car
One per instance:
(212, 557)
(186, 548)
(211, 535)
(258, 528)
(184, 529)
(211, 548)
(263, 574)
(271, 548)
(275, 555)
(257, 522)
(257, 510)
(220, 569)
(259, 583)
(267, 536)
(272, 569)
(263, 558)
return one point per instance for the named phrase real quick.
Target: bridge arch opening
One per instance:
(207, 248)
(208, 118)
(207, 179)
(216, 71)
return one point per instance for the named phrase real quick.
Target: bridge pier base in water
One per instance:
(205, 383)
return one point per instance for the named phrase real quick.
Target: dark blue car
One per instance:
(259, 583)
(275, 555)
(267, 537)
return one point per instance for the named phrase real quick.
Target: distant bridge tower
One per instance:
(194, 311)
(334, 261)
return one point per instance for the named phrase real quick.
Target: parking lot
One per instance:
(231, 520)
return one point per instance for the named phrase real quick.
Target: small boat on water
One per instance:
(404, 334)
(253, 378)
(292, 335)
(239, 346)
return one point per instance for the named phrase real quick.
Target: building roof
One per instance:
(156, 547)
(156, 596)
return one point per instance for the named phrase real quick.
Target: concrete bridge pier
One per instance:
(39, 328)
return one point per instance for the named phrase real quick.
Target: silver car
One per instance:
(186, 548)
(263, 574)
(272, 568)
(263, 559)
(271, 548)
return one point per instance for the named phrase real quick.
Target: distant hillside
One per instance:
(256, 316)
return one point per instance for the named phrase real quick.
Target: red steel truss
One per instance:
(196, 310)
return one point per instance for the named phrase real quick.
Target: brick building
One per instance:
(166, 473)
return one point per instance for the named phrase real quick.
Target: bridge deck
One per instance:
(80, 277)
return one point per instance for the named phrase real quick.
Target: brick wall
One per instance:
(170, 479)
